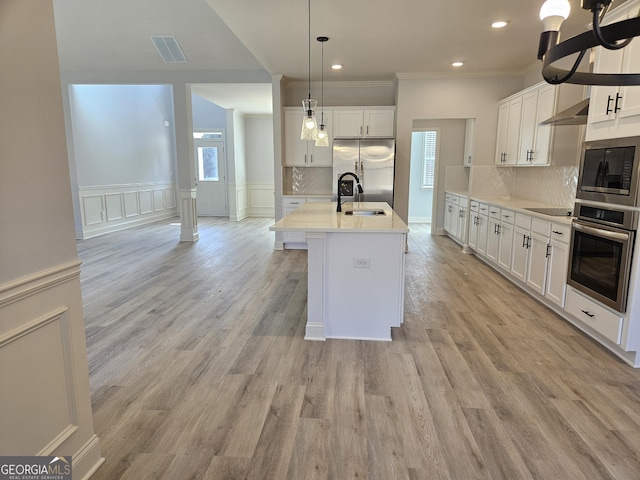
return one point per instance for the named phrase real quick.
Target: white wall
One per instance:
(44, 380)
(123, 155)
(207, 115)
(260, 157)
(434, 98)
(119, 134)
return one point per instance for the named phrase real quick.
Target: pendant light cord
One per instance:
(309, 49)
(322, 85)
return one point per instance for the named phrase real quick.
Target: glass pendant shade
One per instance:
(309, 124)
(322, 139)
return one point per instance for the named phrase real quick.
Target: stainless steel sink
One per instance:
(553, 211)
(373, 212)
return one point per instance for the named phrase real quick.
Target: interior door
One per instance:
(211, 190)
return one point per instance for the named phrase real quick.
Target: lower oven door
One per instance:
(600, 262)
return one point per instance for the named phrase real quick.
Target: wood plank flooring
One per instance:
(199, 370)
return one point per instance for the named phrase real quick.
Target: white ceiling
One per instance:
(373, 39)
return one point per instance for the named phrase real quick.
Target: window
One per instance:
(429, 158)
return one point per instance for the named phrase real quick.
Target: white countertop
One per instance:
(322, 217)
(521, 205)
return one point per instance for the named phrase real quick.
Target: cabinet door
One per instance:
(295, 149)
(322, 156)
(543, 133)
(348, 123)
(520, 257)
(528, 127)
(462, 224)
(513, 131)
(506, 246)
(379, 123)
(537, 264)
(602, 102)
(468, 142)
(629, 115)
(493, 239)
(503, 130)
(448, 215)
(473, 231)
(557, 274)
(483, 228)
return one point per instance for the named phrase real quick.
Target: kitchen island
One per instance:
(355, 268)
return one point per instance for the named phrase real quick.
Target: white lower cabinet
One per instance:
(505, 248)
(595, 316)
(558, 264)
(289, 204)
(483, 229)
(473, 224)
(521, 245)
(455, 217)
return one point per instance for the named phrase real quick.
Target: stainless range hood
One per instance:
(575, 115)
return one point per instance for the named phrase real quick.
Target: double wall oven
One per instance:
(604, 232)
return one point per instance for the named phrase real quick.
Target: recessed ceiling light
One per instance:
(499, 24)
(457, 64)
(336, 66)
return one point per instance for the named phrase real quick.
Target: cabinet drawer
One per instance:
(483, 209)
(523, 221)
(455, 200)
(560, 232)
(474, 206)
(603, 321)
(494, 212)
(507, 216)
(292, 201)
(541, 227)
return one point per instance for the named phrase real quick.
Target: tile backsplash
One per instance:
(552, 185)
(307, 180)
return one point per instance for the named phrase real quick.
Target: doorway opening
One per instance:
(425, 149)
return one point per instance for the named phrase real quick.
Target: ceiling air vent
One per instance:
(169, 49)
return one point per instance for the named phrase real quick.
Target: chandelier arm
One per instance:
(598, 32)
(626, 29)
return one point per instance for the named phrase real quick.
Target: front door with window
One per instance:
(211, 191)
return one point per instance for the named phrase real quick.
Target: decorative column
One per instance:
(186, 163)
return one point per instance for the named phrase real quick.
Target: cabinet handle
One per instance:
(556, 232)
(548, 254)
(616, 109)
(311, 156)
(588, 314)
(499, 229)
(305, 158)
(609, 100)
(506, 216)
(360, 129)
(368, 128)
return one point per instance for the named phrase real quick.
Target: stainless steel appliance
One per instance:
(373, 161)
(600, 260)
(609, 171)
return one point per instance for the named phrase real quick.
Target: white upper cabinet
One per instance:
(614, 112)
(509, 113)
(303, 153)
(364, 123)
(521, 139)
(468, 142)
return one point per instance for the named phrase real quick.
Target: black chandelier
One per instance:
(613, 37)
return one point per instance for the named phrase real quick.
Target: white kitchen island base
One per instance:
(355, 271)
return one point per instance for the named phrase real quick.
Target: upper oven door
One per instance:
(600, 262)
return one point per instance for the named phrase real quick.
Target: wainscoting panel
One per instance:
(131, 205)
(39, 352)
(114, 207)
(261, 200)
(114, 203)
(92, 209)
(44, 394)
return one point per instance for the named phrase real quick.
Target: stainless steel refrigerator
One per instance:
(373, 161)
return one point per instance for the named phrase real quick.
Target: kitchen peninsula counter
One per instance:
(355, 269)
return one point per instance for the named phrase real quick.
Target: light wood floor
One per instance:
(199, 370)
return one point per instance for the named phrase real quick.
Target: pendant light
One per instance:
(612, 37)
(322, 139)
(309, 124)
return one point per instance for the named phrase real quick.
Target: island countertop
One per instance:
(322, 217)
